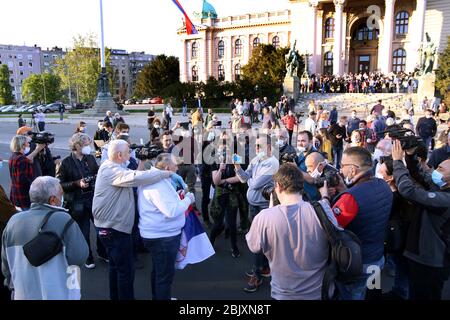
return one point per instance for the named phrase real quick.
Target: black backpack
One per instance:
(345, 259)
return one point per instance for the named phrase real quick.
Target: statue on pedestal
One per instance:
(292, 61)
(427, 52)
(103, 85)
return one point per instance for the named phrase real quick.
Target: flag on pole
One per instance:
(194, 245)
(190, 28)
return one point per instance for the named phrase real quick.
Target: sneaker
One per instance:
(103, 258)
(253, 284)
(235, 253)
(90, 263)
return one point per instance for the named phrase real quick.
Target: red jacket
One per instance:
(289, 122)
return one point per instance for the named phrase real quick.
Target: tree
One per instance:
(42, 88)
(80, 68)
(6, 96)
(443, 73)
(156, 76)
(265, 71)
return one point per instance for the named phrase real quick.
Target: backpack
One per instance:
(345, 259)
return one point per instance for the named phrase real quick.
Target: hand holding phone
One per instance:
(237, 159)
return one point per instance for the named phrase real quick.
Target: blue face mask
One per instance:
(437, 178)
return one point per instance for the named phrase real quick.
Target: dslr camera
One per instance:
(330, 175)
(90, 180)
(269, 190)
(146, 152)
(42, 137)
(406, 137)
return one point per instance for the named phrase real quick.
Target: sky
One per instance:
(132, 25)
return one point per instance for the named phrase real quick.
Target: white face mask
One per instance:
(86, 150)
(27, 150)
(301, 149)
(377, 154)
(156, 126)
(377, 172)
(261, 154)
(125, 164)
(280, 143)
(316, 174)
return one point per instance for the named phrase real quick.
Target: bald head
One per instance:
(313, 160)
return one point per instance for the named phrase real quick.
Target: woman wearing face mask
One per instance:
(77, 174)
(156, 131)
(21, 170)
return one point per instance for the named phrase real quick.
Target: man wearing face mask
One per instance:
(287, 152)
(362, 206)
(50, 280)
(113, 210)
(305, 148)
(316, 167)
(77, 176)
(428, 241)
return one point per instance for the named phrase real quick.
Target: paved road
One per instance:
(221, 277)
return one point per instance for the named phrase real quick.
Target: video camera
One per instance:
(90, 180)
(406, 137)
(42, 137)
(146, 152)
(269, 190)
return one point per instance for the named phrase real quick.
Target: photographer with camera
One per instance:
(287, 153)
(225, 202)
(304, 148)
(320, 171)
(113, 210)
(362, 206)
(21, 170)
(77, 173)
(428, 240)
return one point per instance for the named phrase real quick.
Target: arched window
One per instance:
(194, 73)
(237, 72)
(401, 22)
(328, 63)
(362, 33)
(276, 42)
(399, 61)
(221, 72)
(256, 42)
(238, 47)
(194, 51)
(329, 28)
(221, 49)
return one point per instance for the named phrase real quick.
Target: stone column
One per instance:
(385, 54)
(319, 36)
(313, 42)
(211, 56)
(204, 62)
(183, 62)
(337, 45)
(416, 33)
(229, 74)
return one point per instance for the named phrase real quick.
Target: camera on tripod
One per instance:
(42, 137)
(146, 152)
(406, 137)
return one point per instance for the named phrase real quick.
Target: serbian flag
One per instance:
(195, 246)
(190, 28)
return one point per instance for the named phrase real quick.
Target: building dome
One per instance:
(208, 10)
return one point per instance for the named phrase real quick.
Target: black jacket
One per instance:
(438, 156)
(428, 234)
(69, 173)
(426, 127)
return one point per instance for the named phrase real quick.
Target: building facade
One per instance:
(120, 64)
(49, 58)
(138, 60)
(22, 61)
(341, 36)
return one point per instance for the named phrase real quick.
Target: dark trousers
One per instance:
(259, 259)
(290, 132)
(243, 206)
(188, 173)
(426, 283)
(229, 213)
(85, 226)
(164, 254)
(206, 186)
(337, 156)
(119, 247)
(41, 126)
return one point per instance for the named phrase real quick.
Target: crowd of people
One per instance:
(374, 82)
(384, 178)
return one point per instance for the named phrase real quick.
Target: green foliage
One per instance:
(42, 88)
(6, 96)
(443, 72)
(157, 76)
(80, 68)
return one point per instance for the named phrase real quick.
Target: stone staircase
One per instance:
(363, 103)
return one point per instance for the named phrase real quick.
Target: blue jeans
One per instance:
(119, 247)
(259, 259)
(164, 254)
(357, 290)
(337, 156)
(427, 142)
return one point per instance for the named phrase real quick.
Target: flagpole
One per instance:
(102, 48)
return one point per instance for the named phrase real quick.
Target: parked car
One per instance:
(22, 108)
(130, 101)
(52, 107)
(33, 107)
(156, 100)
(9, 108)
